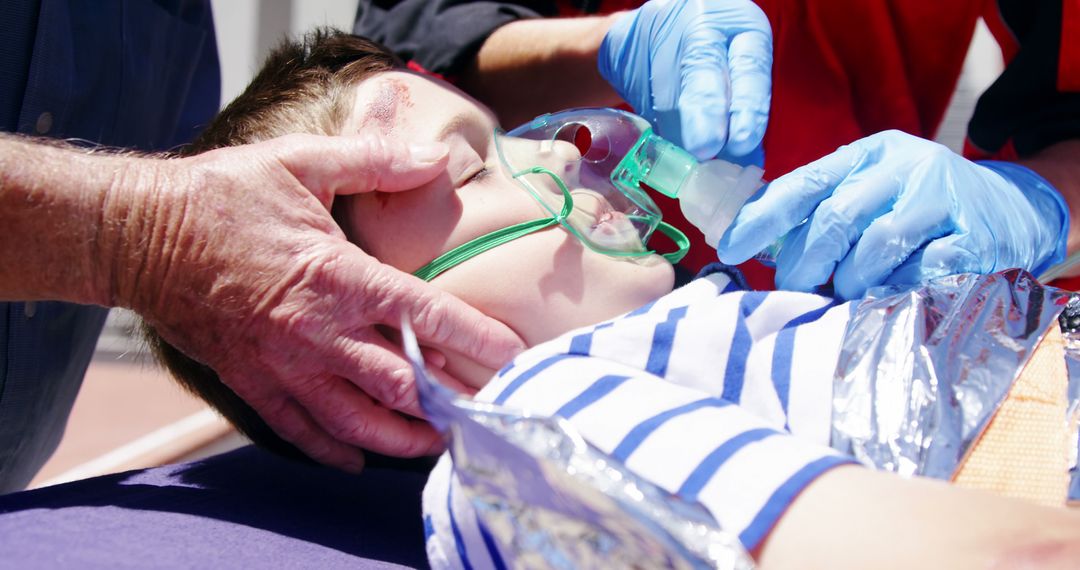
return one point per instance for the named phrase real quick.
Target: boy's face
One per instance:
(541, 285)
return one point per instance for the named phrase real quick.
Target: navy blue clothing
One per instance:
(123, 73)
(243, 509)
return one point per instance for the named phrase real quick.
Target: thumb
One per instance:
(366, 162)
(440, 319)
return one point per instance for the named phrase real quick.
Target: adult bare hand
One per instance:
(237, 262)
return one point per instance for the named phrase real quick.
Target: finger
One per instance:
(705, 95)
(750, 63)
(784, 203)
(352, 417)
(944, 256)
(398, 165)
(365, 162)
(433, 357)
(375, 366)
(441, 319)
(290, 421)
(835, 226)
(447, 380)
(446, 321)
(885, 244)
(386, 375)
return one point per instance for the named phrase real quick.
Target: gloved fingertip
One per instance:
(739, 144)
(789, 284)
(703, 147)
(731, 249)
(703, 133)
(803, 274)
(848, 289)
(747, 132)
(731, 256)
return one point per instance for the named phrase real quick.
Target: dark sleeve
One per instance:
(1026, 106)
(442, 36)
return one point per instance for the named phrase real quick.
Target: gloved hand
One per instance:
(698, 70)
(894, 208)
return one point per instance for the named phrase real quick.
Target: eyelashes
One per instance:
(480, 175)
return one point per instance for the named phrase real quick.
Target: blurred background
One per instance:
(129, 414)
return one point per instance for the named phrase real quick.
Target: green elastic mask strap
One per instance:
(680, 239)
(479, 245)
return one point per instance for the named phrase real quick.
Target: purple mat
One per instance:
(245, 508)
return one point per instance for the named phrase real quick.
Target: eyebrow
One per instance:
(462, 121)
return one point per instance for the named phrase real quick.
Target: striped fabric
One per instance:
(719, 395)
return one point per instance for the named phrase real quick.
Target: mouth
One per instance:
(603, 225)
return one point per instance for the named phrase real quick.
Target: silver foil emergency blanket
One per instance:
(1070, 328)
(921, 372)
(552, 500)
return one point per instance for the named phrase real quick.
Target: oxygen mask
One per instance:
(584, 168)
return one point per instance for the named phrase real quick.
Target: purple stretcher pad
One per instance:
(245, 508)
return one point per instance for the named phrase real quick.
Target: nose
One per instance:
(565, 151)
(564, 159)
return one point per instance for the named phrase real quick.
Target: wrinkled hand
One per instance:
(894, 208)
(698, 70)
(247, 272)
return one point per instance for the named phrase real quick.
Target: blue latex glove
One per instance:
(671, 60)
(894, 208)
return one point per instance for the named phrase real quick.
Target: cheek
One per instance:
(547, 283)
(405, 229)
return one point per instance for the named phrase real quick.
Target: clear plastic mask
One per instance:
(584, 168)
(582, 148)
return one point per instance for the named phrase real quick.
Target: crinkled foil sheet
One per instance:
(1070, 324)
(921, 372)
(551, 500)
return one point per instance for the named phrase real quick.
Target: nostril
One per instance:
(591, 148)
(583, 140)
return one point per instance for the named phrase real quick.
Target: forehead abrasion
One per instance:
(391, 95)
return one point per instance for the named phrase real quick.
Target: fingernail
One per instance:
(437, 448)
(428, 152)
(740, 135)
(354, 466)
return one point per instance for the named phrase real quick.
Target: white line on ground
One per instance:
(124, 456)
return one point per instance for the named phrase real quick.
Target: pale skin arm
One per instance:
(234, 259)
(51, 206)
(530, 67)
(857, 518)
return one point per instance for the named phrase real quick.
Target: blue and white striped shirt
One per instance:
(719, 395)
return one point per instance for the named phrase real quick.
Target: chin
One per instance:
(613, 290)
(657, 280)
(629, 283)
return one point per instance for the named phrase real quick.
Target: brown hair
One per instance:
(303, 87)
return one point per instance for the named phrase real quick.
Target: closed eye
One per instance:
(478, 176)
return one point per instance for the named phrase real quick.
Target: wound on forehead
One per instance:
(391, 95)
